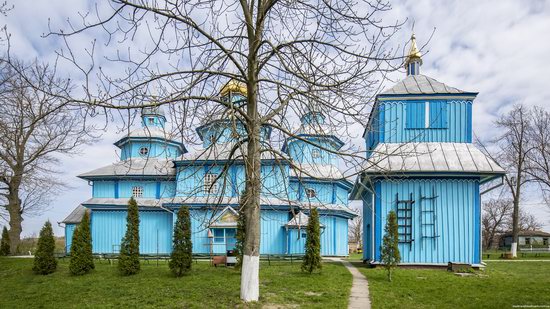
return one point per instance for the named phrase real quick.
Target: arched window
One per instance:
(143, 151)
(310, 193)
(315, 153)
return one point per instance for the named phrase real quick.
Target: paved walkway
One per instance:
(359, 296)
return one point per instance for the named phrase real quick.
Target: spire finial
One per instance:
(414, 58)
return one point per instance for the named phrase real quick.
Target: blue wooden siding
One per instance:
(302, 152)
(157, 149)
(457, 223)
(69, 231)
(367, 226)
(453, 126)
(155, 231)
(103, 189)
(296, 241)
(156, 121)
(272, 240)
(149, 188)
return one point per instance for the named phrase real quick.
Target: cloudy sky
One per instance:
(497, 48)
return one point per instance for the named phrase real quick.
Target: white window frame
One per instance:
(143, 151)
(427, 115)
(210, 185)
(311, 193)
(137, 191)
(315, 153)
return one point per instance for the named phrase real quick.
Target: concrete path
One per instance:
(359, 296)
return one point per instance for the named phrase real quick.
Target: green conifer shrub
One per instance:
(44, 259)
(5, 243)
(312, 258)
(240, 237)
(390, 245)
(181, 258)
(82, 260)
(128, 262)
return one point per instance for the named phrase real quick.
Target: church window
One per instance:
(310, 193)
(151, 120)
(137, 191)
(315, 153)
(143, 151)
(210, 185)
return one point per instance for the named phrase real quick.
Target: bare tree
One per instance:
(526, 222)
(539, 157)
(496, 220)
(35, 126)
(292, 57)
(511, 150)
(356, 230)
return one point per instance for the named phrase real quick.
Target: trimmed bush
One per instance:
(181, 258)
(128, 262)
(240, 237)
(312, 258)
(5, 243)
(82, 260)
(390, 244)
(44, 260)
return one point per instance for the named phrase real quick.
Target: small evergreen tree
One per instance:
(390, 245)
(128, 263)
(5, 243)
(240, 235)
(312, 258)
(44, 260)
(181, 258)
(82, 260)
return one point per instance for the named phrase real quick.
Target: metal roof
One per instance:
(75, 216)
(221, 152)
(430, 157)
(321, 171)
(134, 167)
(421, 84)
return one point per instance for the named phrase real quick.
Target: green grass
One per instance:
(500, 285)
(281, 284)
(495, 254)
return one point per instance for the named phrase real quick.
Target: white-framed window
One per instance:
(151, 120)
(143, 151)
(310, 193)
(315, 153)
(210, 185)
(137, 191)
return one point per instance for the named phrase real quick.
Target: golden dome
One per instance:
(414, 53)
(234, 86)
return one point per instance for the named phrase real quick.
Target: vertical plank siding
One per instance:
(69, 232)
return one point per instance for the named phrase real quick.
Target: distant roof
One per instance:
(529, 233)
(153, 111)
(150, 133)
(221, 152)
(430, 157)
(75, 216)
(421, 84)
(134, 167)
(320, 171)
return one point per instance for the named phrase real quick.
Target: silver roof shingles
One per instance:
(135, 167)
(430, 157)
(421, 84)
(75, 216)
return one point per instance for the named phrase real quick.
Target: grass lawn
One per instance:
(500, 285)
(282, 284)
(522, 255)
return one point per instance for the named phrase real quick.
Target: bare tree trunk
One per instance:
(515, 223)
(14, 210)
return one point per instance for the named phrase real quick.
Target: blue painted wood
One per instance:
(69, 232)
(103, 189)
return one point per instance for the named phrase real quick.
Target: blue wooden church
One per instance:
(422, 165)
(162, 175)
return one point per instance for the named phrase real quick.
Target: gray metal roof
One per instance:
(153, 111)
(299, 220)
(75, 216)
(421, 84)
(134, 167)
(150, 132)
(430, 157)
(221, 152)
(321, 171)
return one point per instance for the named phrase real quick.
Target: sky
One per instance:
(497, 48)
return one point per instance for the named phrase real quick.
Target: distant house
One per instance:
(526, 238)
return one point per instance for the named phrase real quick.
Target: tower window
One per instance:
(151, 120)
(315, 153)
(137, 191)
(143, 151)
(210, 185)
(311, 193)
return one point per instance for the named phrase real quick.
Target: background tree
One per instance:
(293, 57)
(82, 259)
(390, 245)
(36, 124)
(128, 261)
(44, 259)
(539, 156)
(496, 220)
(511, 150)
(312, 257)
(5, 243)
(355, 229)
(181, 258)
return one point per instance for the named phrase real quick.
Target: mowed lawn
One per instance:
(282, 285)
(500, 285)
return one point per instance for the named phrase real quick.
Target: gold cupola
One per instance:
(414, 58)
(233, 86)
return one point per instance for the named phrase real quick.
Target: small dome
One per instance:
(234, 86)
(152, 111)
